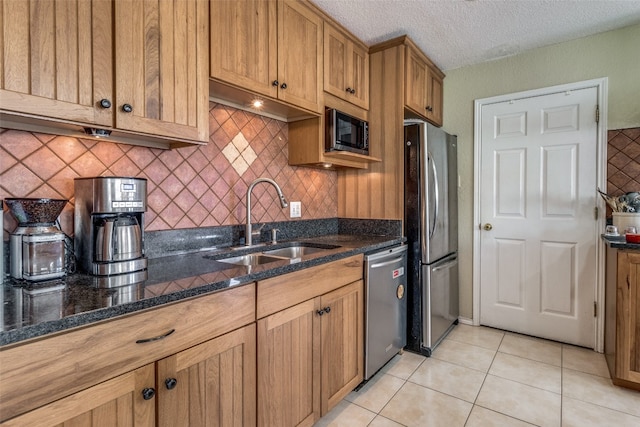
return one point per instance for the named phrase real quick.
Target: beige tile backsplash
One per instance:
(195, 186)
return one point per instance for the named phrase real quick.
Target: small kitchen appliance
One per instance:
(345, 133)
(37, 245)
(109, 224)
(385, 307)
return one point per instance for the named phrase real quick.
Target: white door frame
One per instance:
(601, 179)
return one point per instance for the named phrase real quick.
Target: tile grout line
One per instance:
(485, 379)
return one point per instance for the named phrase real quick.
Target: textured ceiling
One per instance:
(457, 33)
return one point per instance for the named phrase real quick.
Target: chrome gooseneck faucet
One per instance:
(283, 203)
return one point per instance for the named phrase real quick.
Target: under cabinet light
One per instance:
(98, 133)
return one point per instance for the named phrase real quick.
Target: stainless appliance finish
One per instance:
(345, 133)
(385, 307)
(431, 227)
(37, 253)
(37, 245)
(109, 224)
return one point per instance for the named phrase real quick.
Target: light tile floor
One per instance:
(482, 377)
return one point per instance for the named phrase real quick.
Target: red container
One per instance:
(632, 238)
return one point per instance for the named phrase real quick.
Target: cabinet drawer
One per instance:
(284, 291)
(47, 369)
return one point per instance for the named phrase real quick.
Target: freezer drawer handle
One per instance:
(382, 264)
(446, 265)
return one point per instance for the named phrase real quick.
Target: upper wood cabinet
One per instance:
(57, 59)
(161, 67)
(135, 66)
(346, 67)
(423, 86)
(272, 48)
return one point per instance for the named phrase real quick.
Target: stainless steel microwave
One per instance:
(345, 133)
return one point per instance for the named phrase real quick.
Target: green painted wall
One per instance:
(614, 54)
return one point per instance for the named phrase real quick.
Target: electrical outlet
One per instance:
(295, 209)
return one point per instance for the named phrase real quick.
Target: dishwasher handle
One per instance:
(385, 263)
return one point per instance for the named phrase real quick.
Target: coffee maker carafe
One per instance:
(109, 224)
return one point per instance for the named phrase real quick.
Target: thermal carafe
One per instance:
(109, 224)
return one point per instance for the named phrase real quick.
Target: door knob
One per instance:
(487, 227)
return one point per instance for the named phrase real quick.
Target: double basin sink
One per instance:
(288, 252)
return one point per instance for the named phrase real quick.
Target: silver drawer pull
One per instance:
(159, 337)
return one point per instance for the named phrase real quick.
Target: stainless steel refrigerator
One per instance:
(431, 228)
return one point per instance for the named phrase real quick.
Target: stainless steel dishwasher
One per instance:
(385, 307)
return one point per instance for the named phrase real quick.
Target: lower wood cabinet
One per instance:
(622, 317)
(206, 343)
(310, 356)
(117, 402)
(213, 383)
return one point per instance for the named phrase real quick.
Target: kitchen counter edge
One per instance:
(43, 329)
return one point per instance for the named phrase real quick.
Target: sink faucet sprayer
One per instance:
(283, 203)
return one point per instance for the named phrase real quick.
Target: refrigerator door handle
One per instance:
(435, 194)
(446, 265)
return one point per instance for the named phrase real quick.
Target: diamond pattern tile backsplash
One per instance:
(195, 186)
(623, 161)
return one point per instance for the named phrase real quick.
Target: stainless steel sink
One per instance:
(296, 251)
(251, 259)
(291, 252)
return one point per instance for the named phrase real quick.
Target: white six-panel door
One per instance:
(538, 186)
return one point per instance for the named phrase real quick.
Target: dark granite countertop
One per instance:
(32, 310)
(619, 242)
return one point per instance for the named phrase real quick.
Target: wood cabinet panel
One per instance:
(57, 59)
(627, 357)
(289, 366)
(346, 67)
(299, 55)
(423, 86)
(216, 383)
(273, 48)
(72, 361)
(114, 403)
(244, 44)
(162, 67)
(379, 192)
(342, 343)
(284, 291)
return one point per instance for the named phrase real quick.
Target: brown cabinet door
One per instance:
(117, 402)
(415, 83)
(162, 67)
(244, 44)
(57, 59)
(299, 55)
(628, 318)
(346, 68)
(434, 98)
(359, 76)
(289, 366)
(213, 383)
(342, 343)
